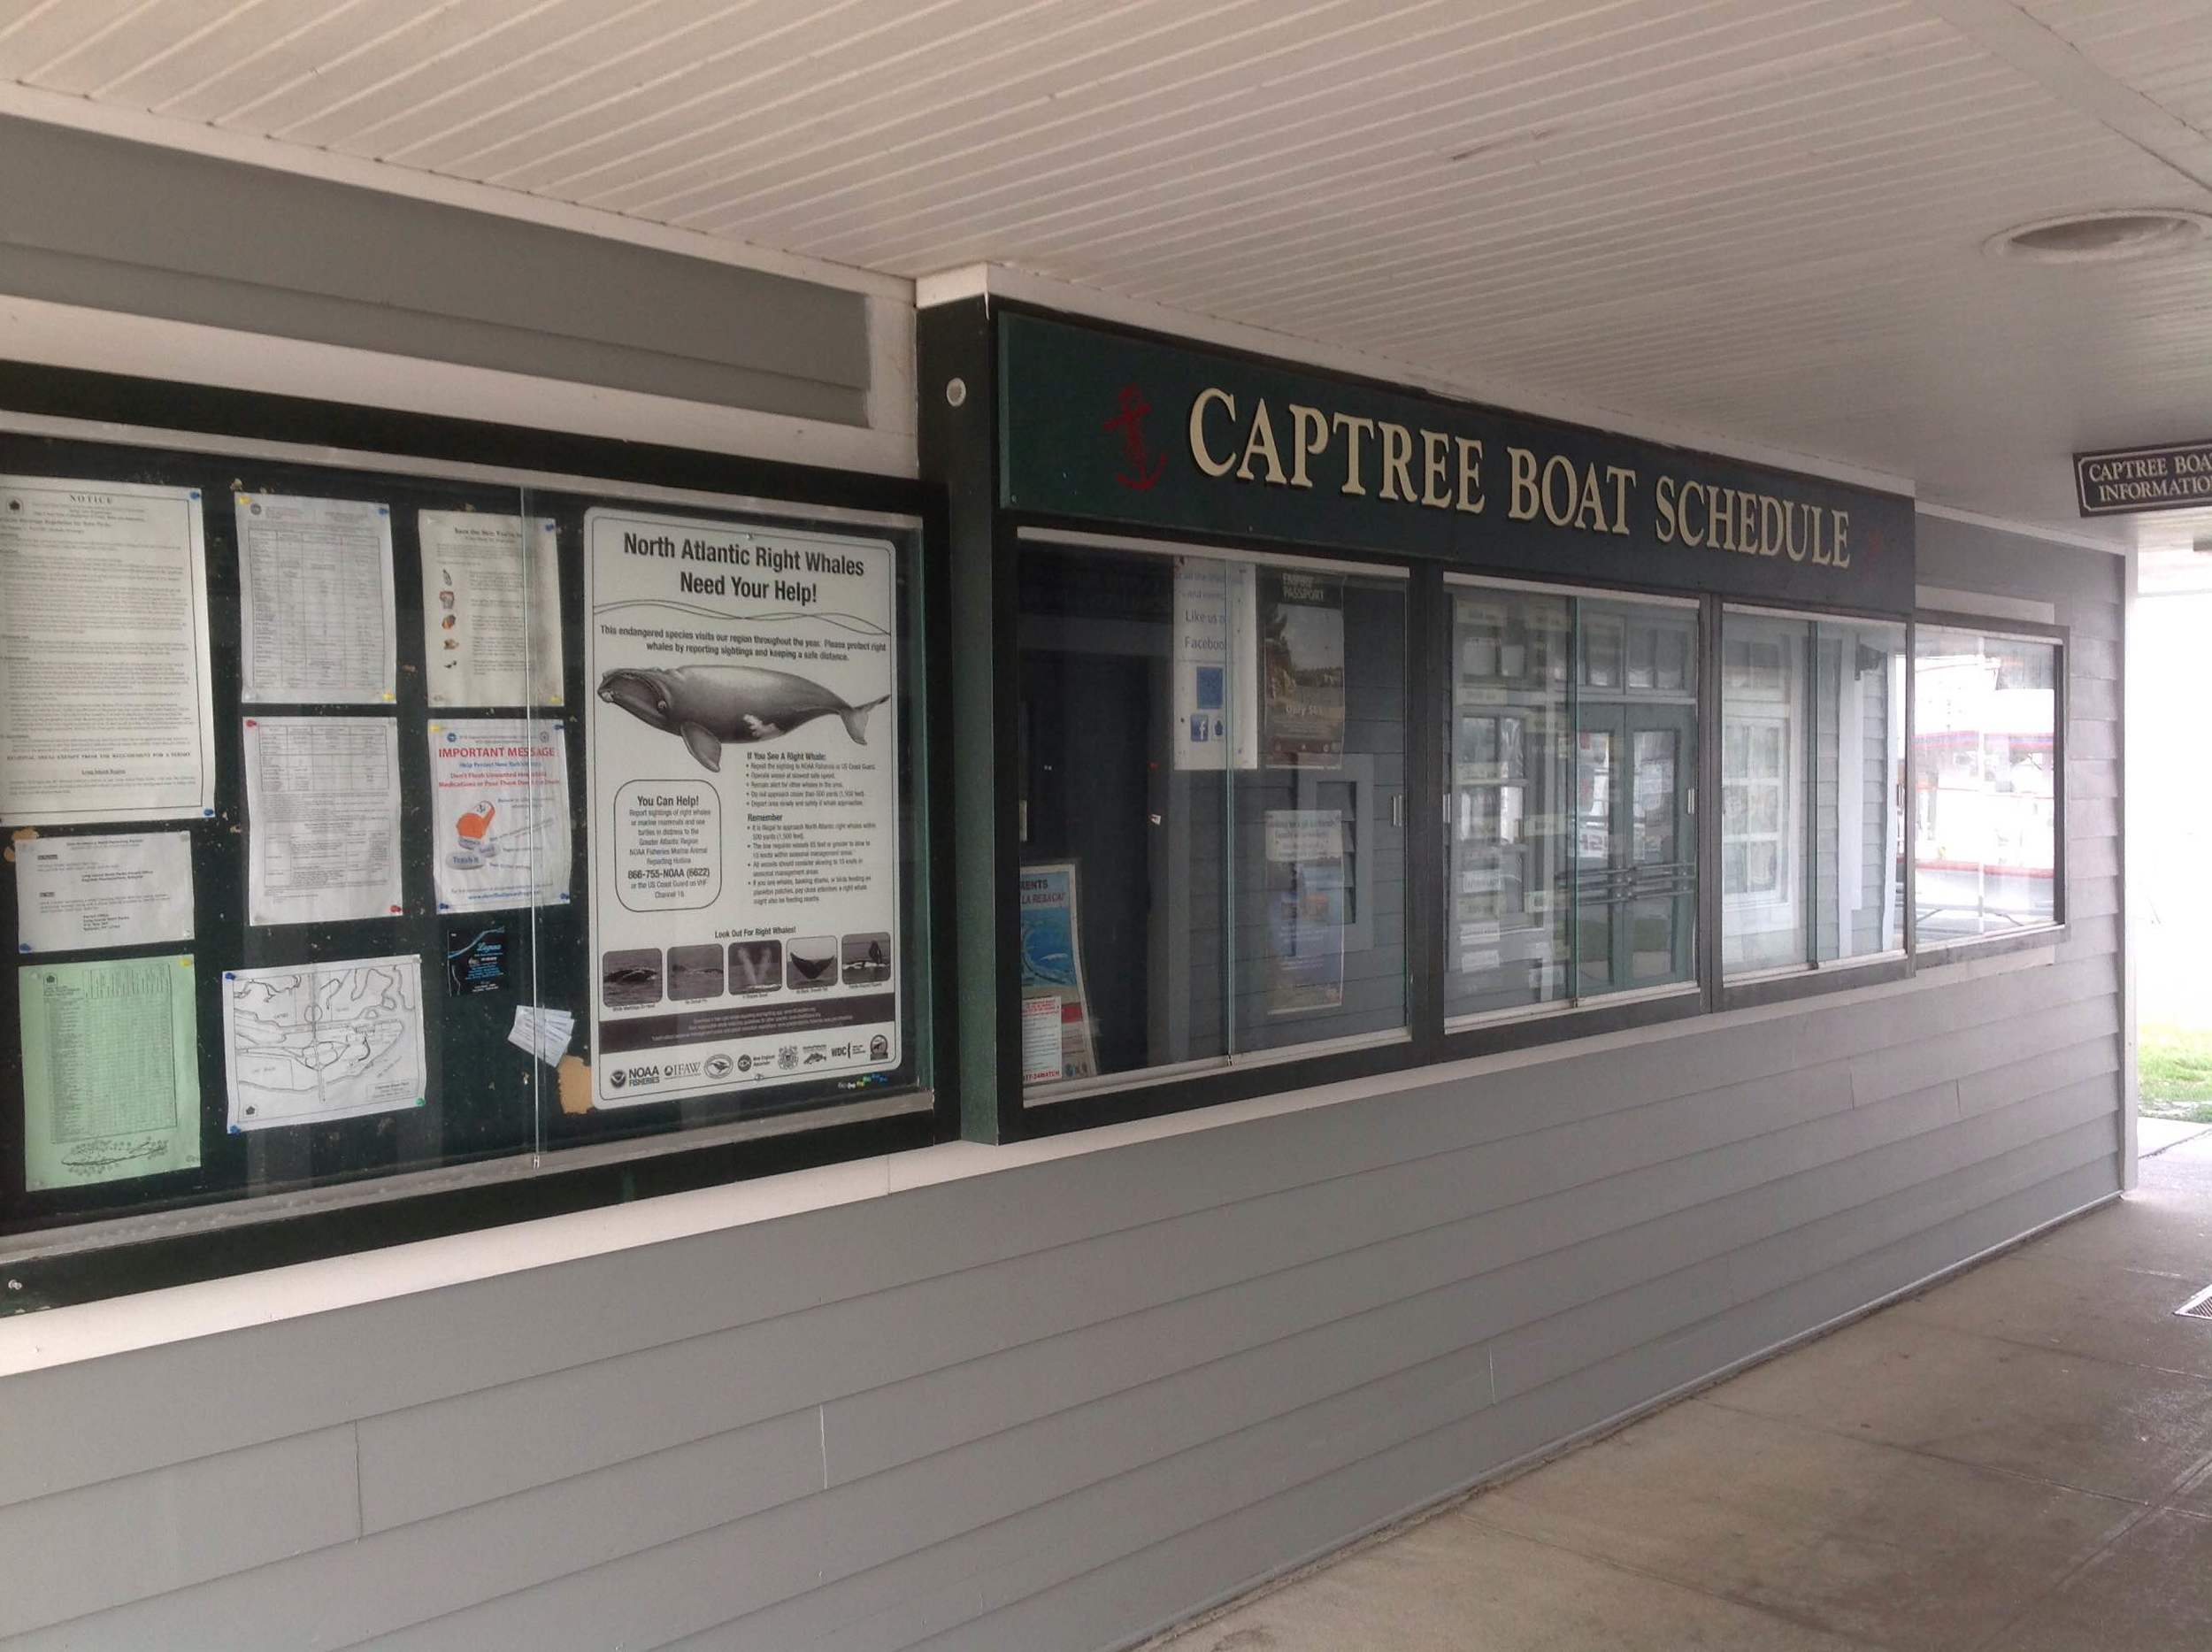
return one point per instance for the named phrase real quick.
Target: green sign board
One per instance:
(1115, 427)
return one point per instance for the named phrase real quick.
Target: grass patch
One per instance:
(2175, 1066)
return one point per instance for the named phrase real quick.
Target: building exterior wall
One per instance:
(1060, 1403)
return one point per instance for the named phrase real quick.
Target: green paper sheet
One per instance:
(110, 1071)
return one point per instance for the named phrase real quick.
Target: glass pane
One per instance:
(1318, 856)
(1985, 825)
(1635, 875)
(1764, 793)
(1139, 685)
(1859, 712)
(1505, 943)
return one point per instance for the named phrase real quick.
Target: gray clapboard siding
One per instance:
(1057, 1406)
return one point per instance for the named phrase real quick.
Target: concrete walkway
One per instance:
(2018, 1461)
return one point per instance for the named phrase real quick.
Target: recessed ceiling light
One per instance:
(2106, 237)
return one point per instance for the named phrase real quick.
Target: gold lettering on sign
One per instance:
(1662, 501)
(1436, 458)
(1204, 459)
(1623, 478)
(1261, 442)
(1354, 428)
(1309, 438)
(1397, 460)
(1470, 475)
(1522, 507)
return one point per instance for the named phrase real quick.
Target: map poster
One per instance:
(501, 790)
(309, 1042)
(1052, 979)
(1306, 911)
(743, 741)
(1216, 705)
(110, 1071)
(1301, 657)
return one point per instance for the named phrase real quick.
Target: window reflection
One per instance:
(1985, 804)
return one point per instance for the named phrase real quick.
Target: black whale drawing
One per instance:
(713, 706)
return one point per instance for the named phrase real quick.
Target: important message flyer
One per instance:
(743, 739)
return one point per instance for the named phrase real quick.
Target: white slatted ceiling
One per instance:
(1756, 215)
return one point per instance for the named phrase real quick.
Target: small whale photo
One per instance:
(813, 961)
(709, 707)
(694, 973)
(867, 959)
(627, 979)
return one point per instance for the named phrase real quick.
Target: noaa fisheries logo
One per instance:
(640, 1075)
(617, 1079)
(719, 1066)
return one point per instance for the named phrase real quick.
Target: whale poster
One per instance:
(743, 741)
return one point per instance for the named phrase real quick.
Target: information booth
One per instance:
(1337, 728)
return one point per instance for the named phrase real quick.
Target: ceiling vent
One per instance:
(2105, 237)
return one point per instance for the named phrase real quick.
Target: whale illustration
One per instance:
(713, 706)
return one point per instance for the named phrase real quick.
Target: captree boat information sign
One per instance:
(743, 731)
(2131, 479)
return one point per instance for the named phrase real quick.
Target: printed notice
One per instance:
(491, 609)
(501, 788)
(1216, 705)
(322, 805)
(1306, 911)
(110, 1071)
(1052, 971)
(309, 1042)
(743, 739)
(1302, 624)
(105, 712)
(316, 610)
(122, 890)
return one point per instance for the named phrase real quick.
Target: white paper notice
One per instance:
(322, 807)
(545, 1033)
(124, 890)
(501, 788)
(491, 609)
(105, 711)
(1217, 643)
(316, 609)
(744, 744)
(307, 1043)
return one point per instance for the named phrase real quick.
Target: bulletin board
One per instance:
(292, 966)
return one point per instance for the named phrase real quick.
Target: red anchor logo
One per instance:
(1145, 465)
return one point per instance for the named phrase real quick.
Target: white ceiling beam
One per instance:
(2005, 31)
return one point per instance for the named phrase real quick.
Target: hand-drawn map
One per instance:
(310, 1042)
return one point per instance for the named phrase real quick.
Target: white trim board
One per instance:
(1006, 281)
(1943, 600)
(82, 114)
(2080, 539)
(68, 335)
